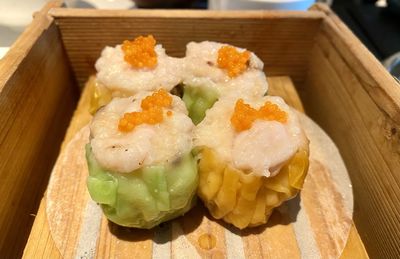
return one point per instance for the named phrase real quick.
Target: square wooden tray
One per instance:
(341, 85)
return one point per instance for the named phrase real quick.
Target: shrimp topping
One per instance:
(232, 60)
(140, 53)
(152, 111)
(244, 115)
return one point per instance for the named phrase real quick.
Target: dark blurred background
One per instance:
(377, 27)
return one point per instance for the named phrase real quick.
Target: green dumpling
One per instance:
(141, 169)
(198, 100)
(145, 197)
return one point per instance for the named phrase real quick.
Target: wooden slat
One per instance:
(354, 247)
(351, 96)
(25, 42)
(321, 211)
(267, 245)
(374, 78)
(200, 229)
(37, 98)
(282, 40)
(209, 14)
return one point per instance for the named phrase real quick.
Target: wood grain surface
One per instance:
(37, 98)
(118, 244)
(349, 93)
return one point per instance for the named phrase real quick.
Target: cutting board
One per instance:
(315, 224)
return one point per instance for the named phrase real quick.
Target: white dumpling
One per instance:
(120, 77)
(201, 69)
(147, 144)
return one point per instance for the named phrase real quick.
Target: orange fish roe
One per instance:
(130, 120)
(140, 52)
(159, 98)
(244, 115)
(232, 60)
(271, 112)
(152, 111)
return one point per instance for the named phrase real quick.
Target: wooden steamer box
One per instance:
(341, 86)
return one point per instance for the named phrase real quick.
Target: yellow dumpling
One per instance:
(100, 95)
(243, 198)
